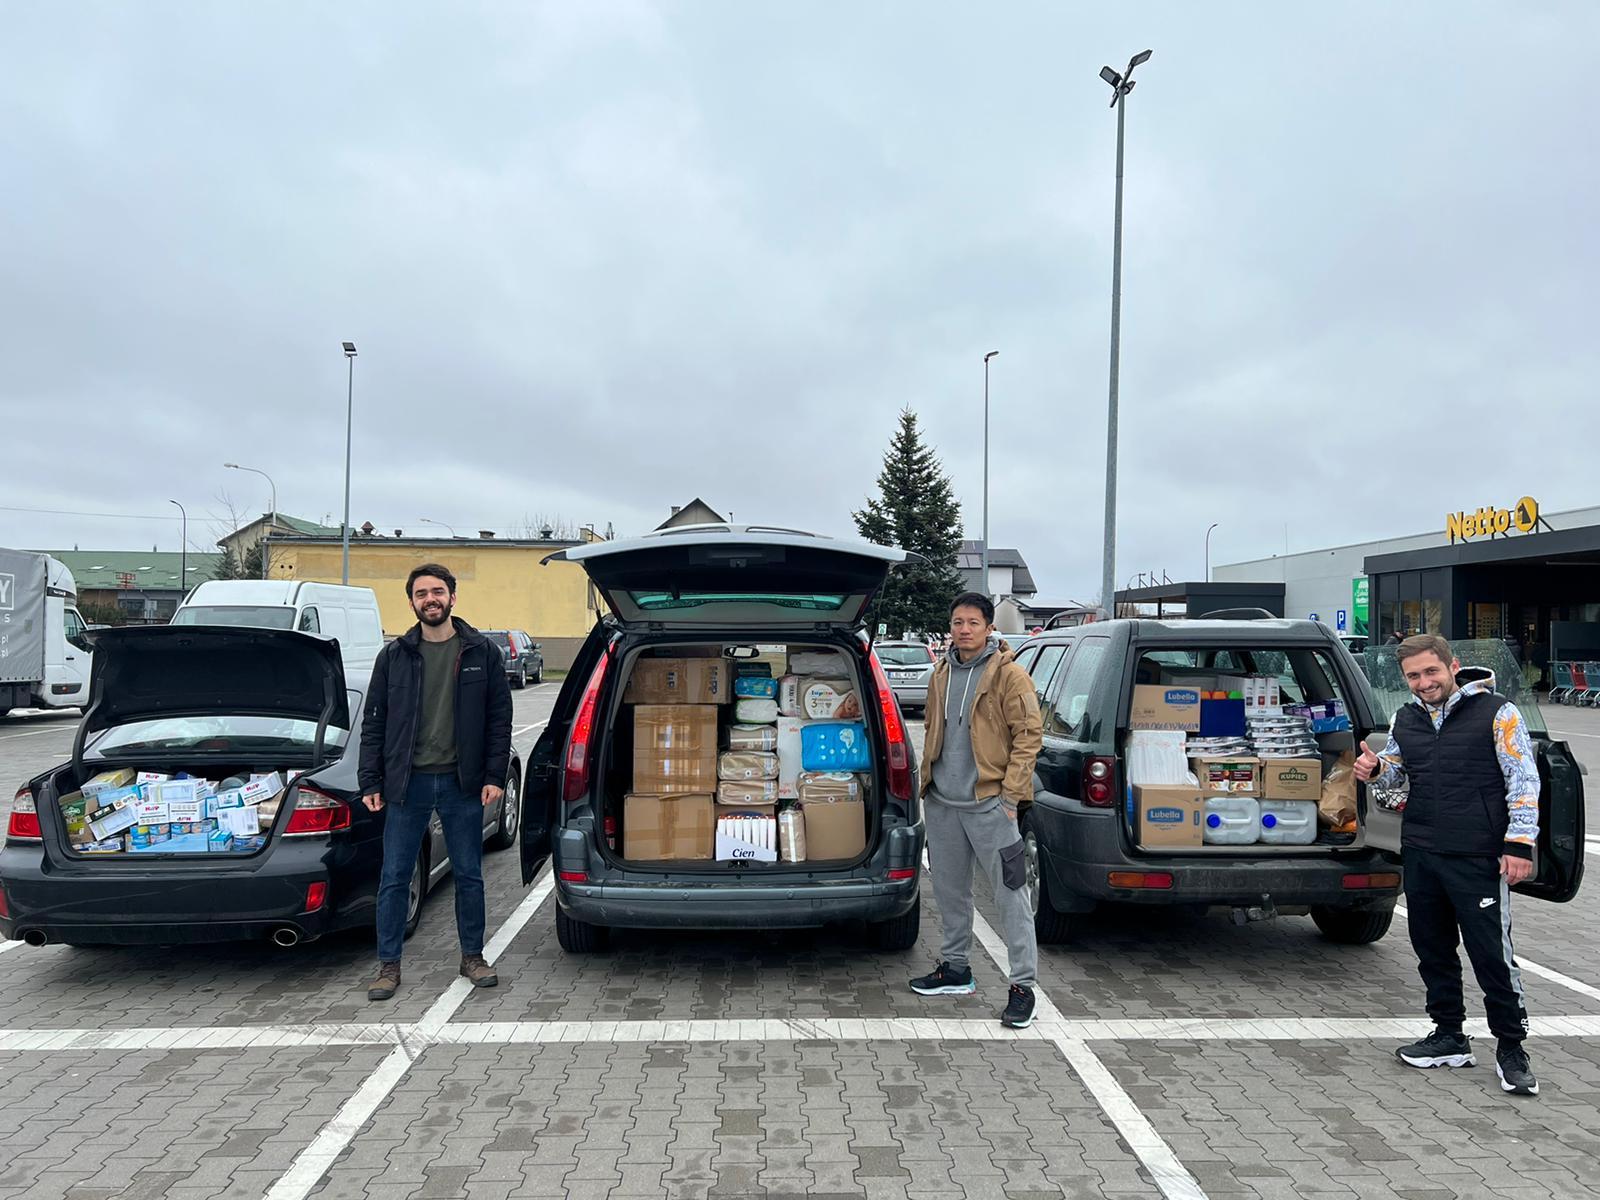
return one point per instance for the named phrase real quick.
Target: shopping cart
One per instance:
(1587, 676)
(1565, 685)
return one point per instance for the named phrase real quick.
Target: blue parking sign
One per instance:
(1340, 620)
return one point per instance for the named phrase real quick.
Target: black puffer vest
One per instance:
(1458, 793)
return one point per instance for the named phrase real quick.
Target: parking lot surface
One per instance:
(1176, 1056)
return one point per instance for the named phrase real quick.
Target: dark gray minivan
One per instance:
(718, 591)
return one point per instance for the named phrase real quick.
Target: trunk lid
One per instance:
(735, 577)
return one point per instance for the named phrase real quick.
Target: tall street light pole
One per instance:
(272, 518)
(986, 359)
(349, 410)
(183, 551)
(1214, 524)
(1121, 85)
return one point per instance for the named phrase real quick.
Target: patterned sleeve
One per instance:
(1392, 771)
(1514, 748)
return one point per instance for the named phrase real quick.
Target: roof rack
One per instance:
(1239, 614)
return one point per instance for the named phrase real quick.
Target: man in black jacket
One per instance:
(435, 737)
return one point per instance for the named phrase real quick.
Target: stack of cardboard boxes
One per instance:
(121, 811)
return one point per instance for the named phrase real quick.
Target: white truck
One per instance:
(44, 658)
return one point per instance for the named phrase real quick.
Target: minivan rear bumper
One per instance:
(1081, 849)
(651, 904)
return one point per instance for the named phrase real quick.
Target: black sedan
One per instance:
(233, 708)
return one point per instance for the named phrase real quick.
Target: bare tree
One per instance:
(542, 525)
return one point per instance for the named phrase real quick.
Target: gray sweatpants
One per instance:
(958, 837)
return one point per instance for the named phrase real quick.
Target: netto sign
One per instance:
(1489, 521)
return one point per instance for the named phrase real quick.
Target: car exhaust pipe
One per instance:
(36, 937)
(286, 936)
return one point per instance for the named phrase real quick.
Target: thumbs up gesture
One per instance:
(1368, 764)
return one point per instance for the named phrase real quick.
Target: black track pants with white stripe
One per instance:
(1452, 899)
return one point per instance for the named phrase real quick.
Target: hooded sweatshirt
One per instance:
(955, 771)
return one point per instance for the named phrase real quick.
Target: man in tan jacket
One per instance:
(983, 735)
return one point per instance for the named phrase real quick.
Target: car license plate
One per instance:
(904, 676)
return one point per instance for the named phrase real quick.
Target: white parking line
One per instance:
(314, 1161)
(10, 945)
(6, 737)
(525, 728)
(1533, 968)
(1566, 733)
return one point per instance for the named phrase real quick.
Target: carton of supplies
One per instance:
(663, 828)
(752, 687)
(1222, 714)
(1327, 716)
(1168, 816)
(1291, 779)
(834, 746)
(789, 755)
(827, 699)
(835, 828)
(774, 658)
(753, 737)
(115, 814)
(108, 781)
(747, 837)
(225, 799)
(818, 662)
(1238, 774)
(74, 808)
(791, 689)
(241, 822)
(1158, 706)
(747, 764)
(219, 840)
(755, 712)
(114, 845)
(249, 845)
(792, 835)
(747, 791)
(675, 750)
(151, 810)
(679, 681)
(145, 777)
(186, 843)
(261, 787)
(148, 837)
(823, 787)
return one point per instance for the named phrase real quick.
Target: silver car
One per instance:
(909, 666)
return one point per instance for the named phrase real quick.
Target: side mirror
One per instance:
(538, 646)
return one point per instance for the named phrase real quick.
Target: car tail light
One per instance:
(1099, 782)
(316, 896)
(580, 743)
(902, 872)
(1140, 879)
(899, 747)
(5, 905)
(316, 812)
(572, 876)
(24, 823)
(611, 832)
(1383, 879)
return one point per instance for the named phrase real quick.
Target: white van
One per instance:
(332, 609)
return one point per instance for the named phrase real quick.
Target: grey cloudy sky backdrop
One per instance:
(599, 259)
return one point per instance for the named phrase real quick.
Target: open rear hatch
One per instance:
(735, 577)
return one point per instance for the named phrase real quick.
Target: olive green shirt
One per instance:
(436, 728)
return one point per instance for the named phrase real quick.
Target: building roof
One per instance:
(95, 570)
(696, 512)
(969, 561)
(309, 528)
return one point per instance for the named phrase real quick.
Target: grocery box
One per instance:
(679, 681)
(835, 746)
(108, 781)
(261, 787)
(1236, 774)
(660, 828)
(835, 829)
(151, 810)
(747, 837)
(675, 749)
(1291, 779)
(1156, 706)
(1168, 816)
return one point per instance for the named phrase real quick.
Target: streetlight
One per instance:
(349, 409)
(183, 551)
(446, 524)
(986, 359)
(1214, 524)
(1121, 85)
(272, 518)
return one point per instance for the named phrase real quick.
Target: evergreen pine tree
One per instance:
(916, 510)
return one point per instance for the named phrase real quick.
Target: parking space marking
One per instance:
(6, 737)
(1543, 972)
(312, 1163)
(10, 945)
(525, 728)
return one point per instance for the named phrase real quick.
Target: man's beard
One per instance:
(436, 619)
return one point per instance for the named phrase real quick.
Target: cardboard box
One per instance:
(261, 787)
(241, 822)
(152, 810)
(662, 828)
(1168, 816)
(113, 818)
(835, 830)
(674, 749)
(108, 781)
(1235, 774)
(747, 836)
(114, 845)
(680, 681)
(1291, 778)
(74, 808)
(1162, 707)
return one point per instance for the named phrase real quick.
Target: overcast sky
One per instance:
(599, 259)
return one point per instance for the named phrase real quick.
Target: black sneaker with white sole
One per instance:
(1516, 1075)
(1019, 1008)
(945, 980)
(1439, 1049)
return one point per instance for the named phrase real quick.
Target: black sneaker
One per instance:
(1439, 1049)
(1019, 1008)
(1511, 1064)
(945, 980)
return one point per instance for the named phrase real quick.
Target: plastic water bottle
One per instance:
(1288, 822)
(1230, 821)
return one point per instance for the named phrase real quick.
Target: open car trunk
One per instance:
(1240, 751)
(703, 768)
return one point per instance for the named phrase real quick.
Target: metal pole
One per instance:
(183, 552)
(1108, 592)
(271, 521)
(985, 559)
(349, 409)
(1214, 524)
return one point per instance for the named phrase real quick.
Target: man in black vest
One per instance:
(1471, 823)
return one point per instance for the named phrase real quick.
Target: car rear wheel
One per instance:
(899, 933)
(1352, 927)
(522, 678)
(505, 834)
(1049, 926)
(415, 893)
(579, 937)
(538, 676)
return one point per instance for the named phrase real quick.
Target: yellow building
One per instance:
(500, 584)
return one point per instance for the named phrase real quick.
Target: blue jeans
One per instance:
(404, 828)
